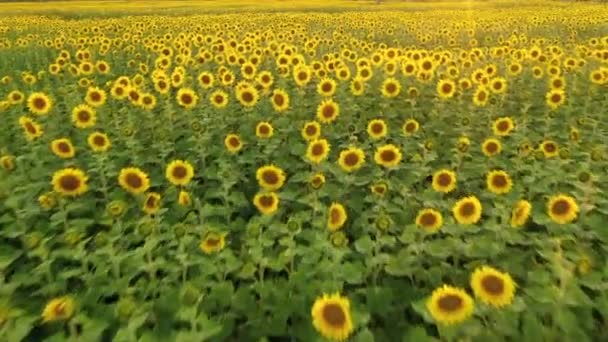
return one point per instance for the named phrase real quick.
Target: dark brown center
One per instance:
(69, 182)
(493, 284)
(560, 207)
(467, 209)
(351, 159)
(450, 303)
(334, 315)
(134, 180)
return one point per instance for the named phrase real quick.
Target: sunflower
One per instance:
(265, 79)
(379, 188)
(212, 243)
(388, 155)
(302, 75)
(266, 202)
(317, 180)
(187, 98)
(520, 213)
(390, 88)
(184, 199)
(555, 98)
(429, 220)
(491, 147)
(280, 100)
(39, 103)
(351, 159)
(331, 317)
(498, 85)
(336, 216)
(499, 182)
(179, 172)
(160, 85)
(7, 163)
(70, 182)
(151, 203)
(148, 101)
(59, 309)
(248, 96)
(205, 80)
(502, 127)
(118, 91)
(63, 148)
(99, 142)
(31, 128)
(133, 180)
(446, 89)
(492, 286)
(562, 209)
(467, 210)
(444, 181)
(326, 87)
(218, 98)
(377, 129)
(84, 116)
(328, 111)
(233, 143)
(15, 97)
(481, 96)
(95, 97)
(264, 130)
(317, 151)
(357, 86)
(549, 148)
(311, 131)
(48, 200)
(270, 177)
(450, 305)
(410, 127)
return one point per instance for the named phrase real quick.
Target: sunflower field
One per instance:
(305, 171)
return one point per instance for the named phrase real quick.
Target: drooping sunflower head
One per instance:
(317, 151)
(328, 111)
(467, 210)
(213, 243)
(59, 309)
(266, 202)
(311, 130)
(444, 181)
(84, 116)
(39, 103)
(562, 209)
(63, 148)
(491, 147)
(492, 286)
(410, 127)
(351, 159)
(379, 188)
(99, 142)
(377, 128)
(270, 177)
(499, 182)
(151, 203)
(331, 317)
(179, 172)
(134, 180)
(70, 182)
(450, 305)
(336, 216)
(233, 143)
(503, 126)
(520, 213)
(388, 156)
(429, 220)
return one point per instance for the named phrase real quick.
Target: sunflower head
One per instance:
(429, 220)
(491, 147)
(520, 213)
(388, 156)
(63, 148)
(70, 182)
(331, 317)
(562, 209)
(270, 177)
(410, 127)
(351, 159)
(233, 143)
(503, 126)
(317, 151)
(59, 309)
(328, 111)
(317, 181)
(266, 202)
(444, 181)
(7, 162)
(390, 88)
(450, 305)
(311, 130)
(499, 182)
(99, 142)
(213, 243)
(179, 172)
(39, 103)
(264, 130)
(280, 100)
(133, 180)
(377, 129)
(492, 286)
(336, 217)
(467, 210)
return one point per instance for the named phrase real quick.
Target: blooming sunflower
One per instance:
(218, 98)
(233, 143)
(184, 199)
(317, 151)
(549, 148)
(388, 155)
(491, 147)
(63, 148)
(444, 181)
(390, 88)
(492, 286)
(429, 220)
(450, 305)
(99, 142)
(59, 309)
(351, 159)
(317, 180)
(264, 130)
(467, 210)
(328, 111)
(555, 98)
(187, 98)
(520, 213)
(336, 216)
(205, 80)
(326, 87)
(502, 127)
(562, 209)
(377, 128)
(95, 97)
(446, 89)
(151, 203)
(379, 188)
(15, 97)
(280, 100)
(248, 96)
(133, 180)
(410, 127)
(499, 182)
(481, 96)
(331, 317)
(179, 172)
(311, 130)
(266, 202)
(39, 103)
(70, 182)
(357, 86)
(270, 177)
(498, 85)
(213, 243)
(84, 116)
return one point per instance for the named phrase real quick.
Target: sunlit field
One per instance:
(303, 171)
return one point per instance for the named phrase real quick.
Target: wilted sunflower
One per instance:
(331, 317)
(377, 128)
(492, 286)
(317, 151)
(59, 309)
(133, 180)
(311, 130)
(351, 159)
(270, 177)
(70, 182)
(499, 182)
(95, 97)
(502, 127)
(83, 116)
(326, 87)
(99, 142)
(336, 216)
(213, 242)
(151, 203)
(264, 130)
(555, 98)
(218, 98)
(410, 127)
(328, 111)
(429, 220)
(467, 210)
(390, 88)
(491, 147)
(520, 213)
(39, 103)
(450, 305)
(266, 202)
(444, 181)
(280, 100)
(184, 199)
(63, 148)
(562, 209)
(388, 156)
(233, 143)
(179, 172)
(446, 89)
(549, 148)
(187, 98)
